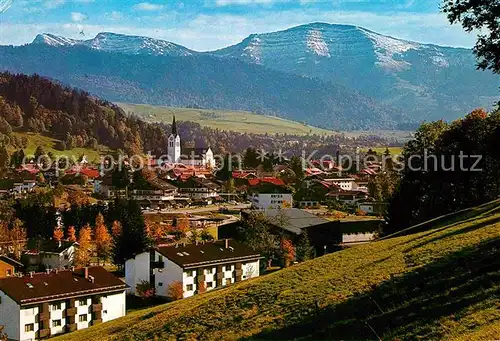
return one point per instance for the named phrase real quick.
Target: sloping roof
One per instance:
(52, 246)
(192, 255)
(11, 261)
(43, 287)
(290, 219)
(270, 180)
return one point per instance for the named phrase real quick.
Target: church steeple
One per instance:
(174, 127)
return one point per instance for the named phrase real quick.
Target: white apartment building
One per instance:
(345, 184)
(263, 201)
(198, 267)
(41, 305)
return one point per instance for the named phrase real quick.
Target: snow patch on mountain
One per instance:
(112, 42)
(316, 43)
(53, 40)
(387, 49)
(253, 50)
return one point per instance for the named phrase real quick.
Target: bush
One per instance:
(175, 290)
(144, 290)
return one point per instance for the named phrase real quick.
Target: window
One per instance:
(189, 287)
(189, 273)
(56, 323)
(82, 302)
(209, 271)
(160, 284)
(210, 284)
(56, 306)
(9, 272)
(29, 327)
(82, 318)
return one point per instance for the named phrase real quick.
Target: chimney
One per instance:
(72, 269)
(32, 273)
(56, 271)
(91, 279)
(48, 271)
(60, 244)
(86, 272)
(226, 243)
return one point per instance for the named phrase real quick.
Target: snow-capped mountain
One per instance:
(424, 81)
(428, 81)
(112, 42)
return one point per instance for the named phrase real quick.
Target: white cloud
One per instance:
(78, 17)
(146, 6)
(115, 15)
(51, 4)
(243, 2)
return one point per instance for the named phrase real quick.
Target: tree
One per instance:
(479, 15)
(287, 251)
(71, 234)
(143, 289)
(58, 234)
(257, 235)
(304, 250)
(4, 157)
(3, 335)
(39, 152)
(116, 229)
(251, 158)
(103, 240)
(175, 291)
(298, 169)
(18, 238)
(84, 253)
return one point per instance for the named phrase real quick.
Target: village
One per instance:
(205, 230)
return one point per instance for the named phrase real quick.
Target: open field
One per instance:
(441, 283)
(35, 140)
(239, 121)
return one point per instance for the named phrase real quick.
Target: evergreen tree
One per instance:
(304, 249)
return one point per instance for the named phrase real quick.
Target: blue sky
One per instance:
(211, 24)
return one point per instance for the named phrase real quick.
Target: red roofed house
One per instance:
(269, 192)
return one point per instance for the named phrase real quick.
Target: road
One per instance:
(211, 208)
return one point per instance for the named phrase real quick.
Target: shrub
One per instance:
(144, 290)
(175, 290)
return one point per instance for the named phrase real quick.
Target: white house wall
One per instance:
(57, 314)
(113, 306)
(28, 315)
(170, 273)
(83, 310)
(187, 280)
(10, 317)
(137, 270)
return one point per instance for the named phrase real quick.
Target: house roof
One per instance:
(43, 287)
(290, 219)
(52, 246)
(195, 255)
(11, 261)
(271, 180)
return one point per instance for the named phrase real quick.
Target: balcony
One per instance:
(43, 333)
(97, 307)
(157, 265)
(44, 316)
(71, 311)
(71, 327)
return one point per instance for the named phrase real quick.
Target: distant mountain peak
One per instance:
(117, 42)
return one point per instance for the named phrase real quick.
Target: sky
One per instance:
(204, 25)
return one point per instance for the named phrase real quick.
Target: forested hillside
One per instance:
(77, 120)
(204, 81)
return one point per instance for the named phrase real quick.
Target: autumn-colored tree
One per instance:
(182, 225)
(175, 291)
(77, 198)
(103, 241)
(84, 253)
(71, 234)
(18, 237)
(3, 335)
(143, 289)
(287, 251)
(58, 234)
(116, 229)
(155, 231)
(202, 287)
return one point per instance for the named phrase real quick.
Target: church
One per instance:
(196, 157)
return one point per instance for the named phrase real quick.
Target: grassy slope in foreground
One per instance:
(437, 284)
(239, 121)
